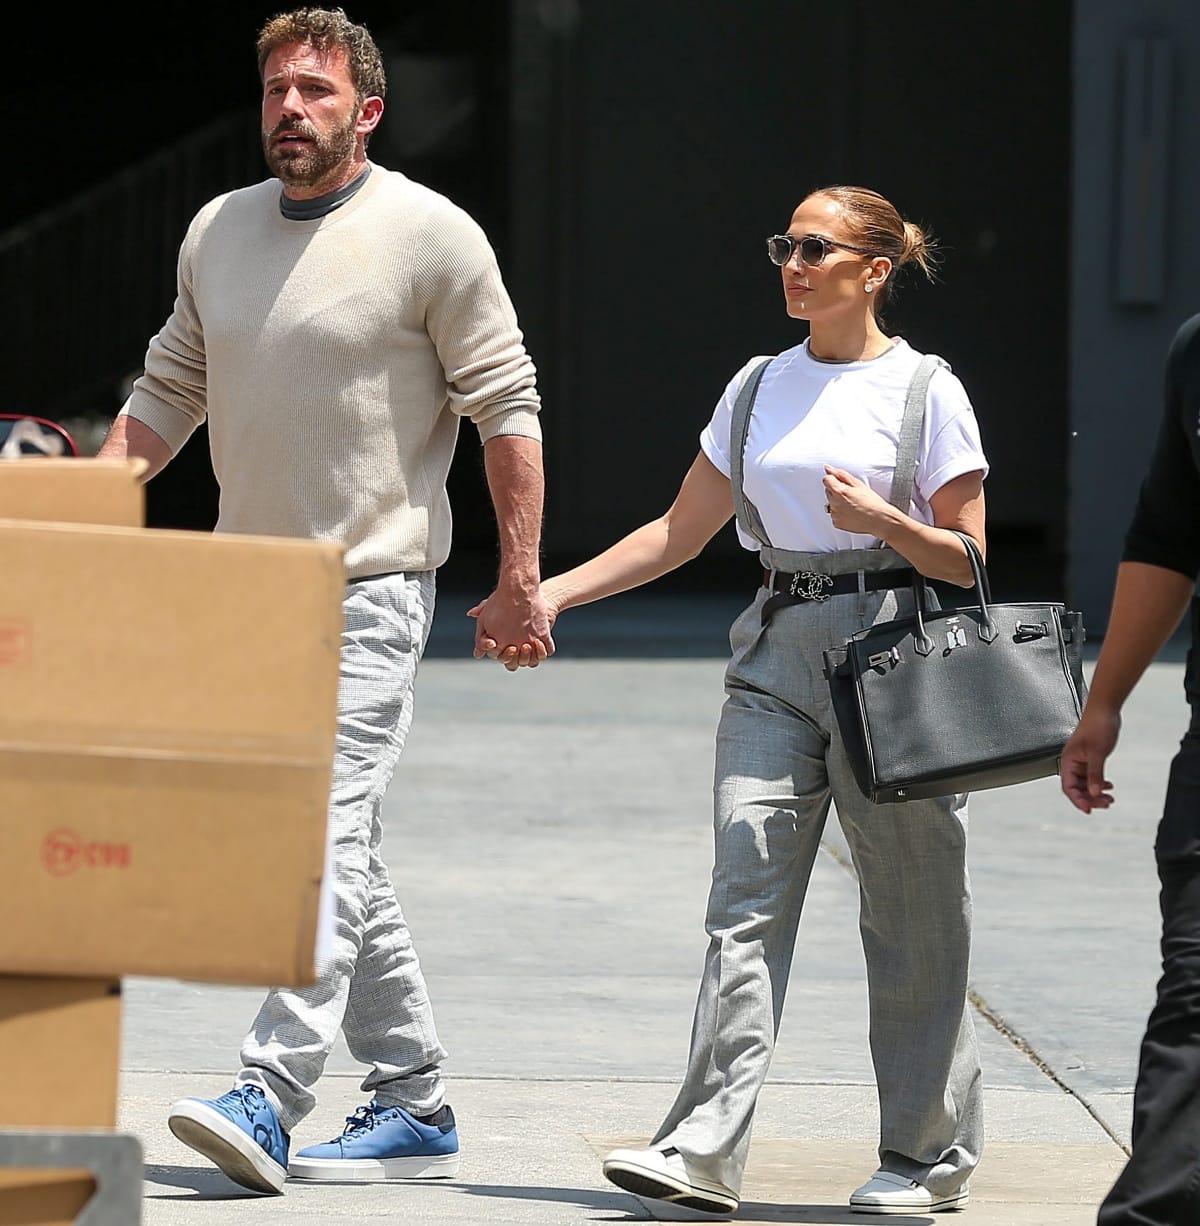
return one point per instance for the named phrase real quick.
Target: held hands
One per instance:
(1081, 768)
(853, 504)
(520, 621)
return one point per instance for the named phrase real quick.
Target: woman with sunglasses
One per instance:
(816, 469)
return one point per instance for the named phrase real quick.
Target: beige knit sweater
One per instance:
(334, 360)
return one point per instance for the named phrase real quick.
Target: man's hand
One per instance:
(1081, 768)
(513, 627)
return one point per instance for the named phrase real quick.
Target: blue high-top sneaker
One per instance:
(384, 1143)
(240, 1132)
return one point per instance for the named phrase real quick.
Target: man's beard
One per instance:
(307, 165)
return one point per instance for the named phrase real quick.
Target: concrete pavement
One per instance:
(549, 835)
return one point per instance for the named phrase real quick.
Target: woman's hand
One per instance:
(513, 655)
(931, 548)
(702, 507)
(854, 505)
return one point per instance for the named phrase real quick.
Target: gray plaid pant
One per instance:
(779, 764)
(371, 987)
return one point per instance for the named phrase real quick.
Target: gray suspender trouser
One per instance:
(843, 561)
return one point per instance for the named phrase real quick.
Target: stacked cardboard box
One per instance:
(61, 1043)
(167, 722)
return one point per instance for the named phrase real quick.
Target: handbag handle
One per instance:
(983, 597)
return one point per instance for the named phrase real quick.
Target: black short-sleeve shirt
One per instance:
(1165, 530)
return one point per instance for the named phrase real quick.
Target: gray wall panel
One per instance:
(1117, 347)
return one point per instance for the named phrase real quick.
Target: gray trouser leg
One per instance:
(767, 832)
(779, 762)
(915, 920)
(372, 985)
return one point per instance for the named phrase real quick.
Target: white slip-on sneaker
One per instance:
(887, 1192)
(662, 1174)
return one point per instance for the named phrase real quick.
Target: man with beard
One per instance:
(334, 334)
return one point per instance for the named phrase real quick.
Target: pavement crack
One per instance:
(1002, 1027)
(1026, 1049)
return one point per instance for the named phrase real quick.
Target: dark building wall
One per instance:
(1135, 258)
(148, 116)
(654, 148)
(628, 158)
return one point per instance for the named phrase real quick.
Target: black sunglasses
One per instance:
(813, 249)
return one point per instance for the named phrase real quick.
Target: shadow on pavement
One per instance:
(749, 1211)
(204, 1182)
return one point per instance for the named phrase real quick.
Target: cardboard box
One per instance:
(81, 490)
(62, 1039)
(62, 1045)
(167, 724)
(43, 1197)
(40, 1019)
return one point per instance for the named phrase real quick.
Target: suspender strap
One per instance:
(845, 560)
(747, 515)
(910, 431)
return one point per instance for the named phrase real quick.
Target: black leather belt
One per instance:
(809, 585)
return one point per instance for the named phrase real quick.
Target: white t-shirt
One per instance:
(809, 413)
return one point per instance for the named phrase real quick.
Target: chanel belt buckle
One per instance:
(808, 585)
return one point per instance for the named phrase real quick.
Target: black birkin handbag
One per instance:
(958, 700)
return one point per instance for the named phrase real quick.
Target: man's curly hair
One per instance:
(325, 29)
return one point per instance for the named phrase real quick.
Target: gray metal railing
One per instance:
(85, 285)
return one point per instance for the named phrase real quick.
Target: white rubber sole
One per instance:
(221, 1141)
(632, 1175)
(945, 1204)
(371, 1170)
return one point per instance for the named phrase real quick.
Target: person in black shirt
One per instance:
(1156, 582)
